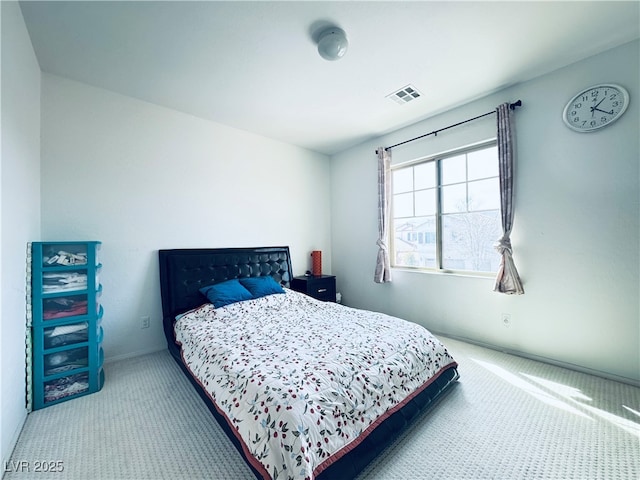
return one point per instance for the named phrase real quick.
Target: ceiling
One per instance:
(254, 65)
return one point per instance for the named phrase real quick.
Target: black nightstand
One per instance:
(322, 287)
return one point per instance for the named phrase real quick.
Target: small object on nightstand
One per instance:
(316, 261)
(321, 287)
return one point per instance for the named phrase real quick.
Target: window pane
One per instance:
(462, 192)
(467, 241)
(415, 242)
(402, 180)
(403, 205)
(454, 169)
(425, 175)
(454, 198)
(426, 202)
(484, 194)
(483, 163)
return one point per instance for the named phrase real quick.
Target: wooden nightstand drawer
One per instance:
(322, 287)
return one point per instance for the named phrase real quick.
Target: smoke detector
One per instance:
(332, 43)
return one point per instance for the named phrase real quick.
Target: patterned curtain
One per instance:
(507, 280)
(383, 266)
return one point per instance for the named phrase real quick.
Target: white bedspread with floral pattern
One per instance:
(300, 380)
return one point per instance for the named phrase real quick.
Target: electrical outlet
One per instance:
(505, 318)
(145, 321)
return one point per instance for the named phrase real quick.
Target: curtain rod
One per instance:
(512, 106)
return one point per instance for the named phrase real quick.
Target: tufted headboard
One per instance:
(184, 271)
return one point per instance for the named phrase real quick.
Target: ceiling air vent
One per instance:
(405, 95)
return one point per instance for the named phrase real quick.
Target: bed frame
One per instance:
(184, 271)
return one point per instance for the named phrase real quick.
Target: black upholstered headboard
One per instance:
(184, 271)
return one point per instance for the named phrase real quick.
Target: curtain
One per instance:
(383, 266)
(507, 281)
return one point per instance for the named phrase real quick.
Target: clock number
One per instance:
(615, 104)
(577, 106)
(613, 96)
(603, 119)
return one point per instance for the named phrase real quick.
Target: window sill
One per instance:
(447, 273)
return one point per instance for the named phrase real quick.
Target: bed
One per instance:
(303, 389)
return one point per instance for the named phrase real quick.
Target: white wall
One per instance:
(20, 212)
(140, 178)
(576, 233)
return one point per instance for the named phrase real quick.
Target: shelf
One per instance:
(62, 336)
(65, 388)
(66, 321)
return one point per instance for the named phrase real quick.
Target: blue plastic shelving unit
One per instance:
(66, 321)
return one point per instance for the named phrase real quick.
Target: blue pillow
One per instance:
(225, 293)
(261, 286)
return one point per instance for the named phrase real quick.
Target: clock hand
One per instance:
(595, 107)
(603, 111)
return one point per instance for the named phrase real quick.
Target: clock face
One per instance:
(595, 107)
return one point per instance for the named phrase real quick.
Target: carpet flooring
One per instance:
(509, 418)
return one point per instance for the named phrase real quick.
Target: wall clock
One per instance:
(595, 107)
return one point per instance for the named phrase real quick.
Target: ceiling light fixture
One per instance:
(332, 43)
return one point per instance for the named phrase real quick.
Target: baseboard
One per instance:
(538, 358)
(6, 457)
(139, 353)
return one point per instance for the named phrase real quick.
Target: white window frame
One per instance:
(439, 214)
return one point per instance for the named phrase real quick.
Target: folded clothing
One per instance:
(64, 307)
(66, 258)
(59, 282)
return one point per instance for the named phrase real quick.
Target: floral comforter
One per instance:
(299, 380)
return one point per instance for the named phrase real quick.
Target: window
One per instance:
(446, 211)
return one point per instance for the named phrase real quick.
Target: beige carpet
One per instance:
(508, 418)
